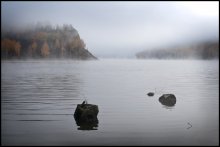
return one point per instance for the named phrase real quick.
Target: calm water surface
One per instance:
(38, 100)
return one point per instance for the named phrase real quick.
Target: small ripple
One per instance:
(38, 109)
(43, 99)
(34, 114)
(34, 120)
(28, 102)
(43, 120)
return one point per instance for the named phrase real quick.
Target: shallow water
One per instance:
(39, 97)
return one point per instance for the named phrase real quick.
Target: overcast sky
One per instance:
(121, 29)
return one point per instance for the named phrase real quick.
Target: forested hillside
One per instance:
(44, 42)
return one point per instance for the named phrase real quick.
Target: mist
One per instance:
(121, 29)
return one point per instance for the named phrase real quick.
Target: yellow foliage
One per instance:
(45, 50)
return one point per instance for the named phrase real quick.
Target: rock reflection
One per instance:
(87, 125)
(168, 107)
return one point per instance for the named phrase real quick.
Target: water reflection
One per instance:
(168, 107)
(87, 125)
(25, 97)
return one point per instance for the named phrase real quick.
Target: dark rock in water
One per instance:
(150, 94)
(168, 99)
(86, 116)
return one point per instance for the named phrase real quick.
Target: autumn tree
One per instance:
(17, 48)
(62, 50)
(57, 43)
(82, 44)
(76, 42)
(45, 50)
(4, 48)
(32, 48)
(10, 48)
(41, 36)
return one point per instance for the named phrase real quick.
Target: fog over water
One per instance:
(121, 29)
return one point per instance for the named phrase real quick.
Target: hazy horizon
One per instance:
(121, 29)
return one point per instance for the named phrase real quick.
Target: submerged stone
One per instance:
(168, 99)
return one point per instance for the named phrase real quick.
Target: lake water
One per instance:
(39, 97)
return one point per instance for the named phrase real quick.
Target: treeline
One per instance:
(205, 50)
(44, 42)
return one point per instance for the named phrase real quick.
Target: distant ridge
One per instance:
(204, 50)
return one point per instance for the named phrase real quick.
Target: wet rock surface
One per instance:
(86, 116)
(168, 99)
(150, 94)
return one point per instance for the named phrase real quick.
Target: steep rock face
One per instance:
(44, 42)
(204, 50)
